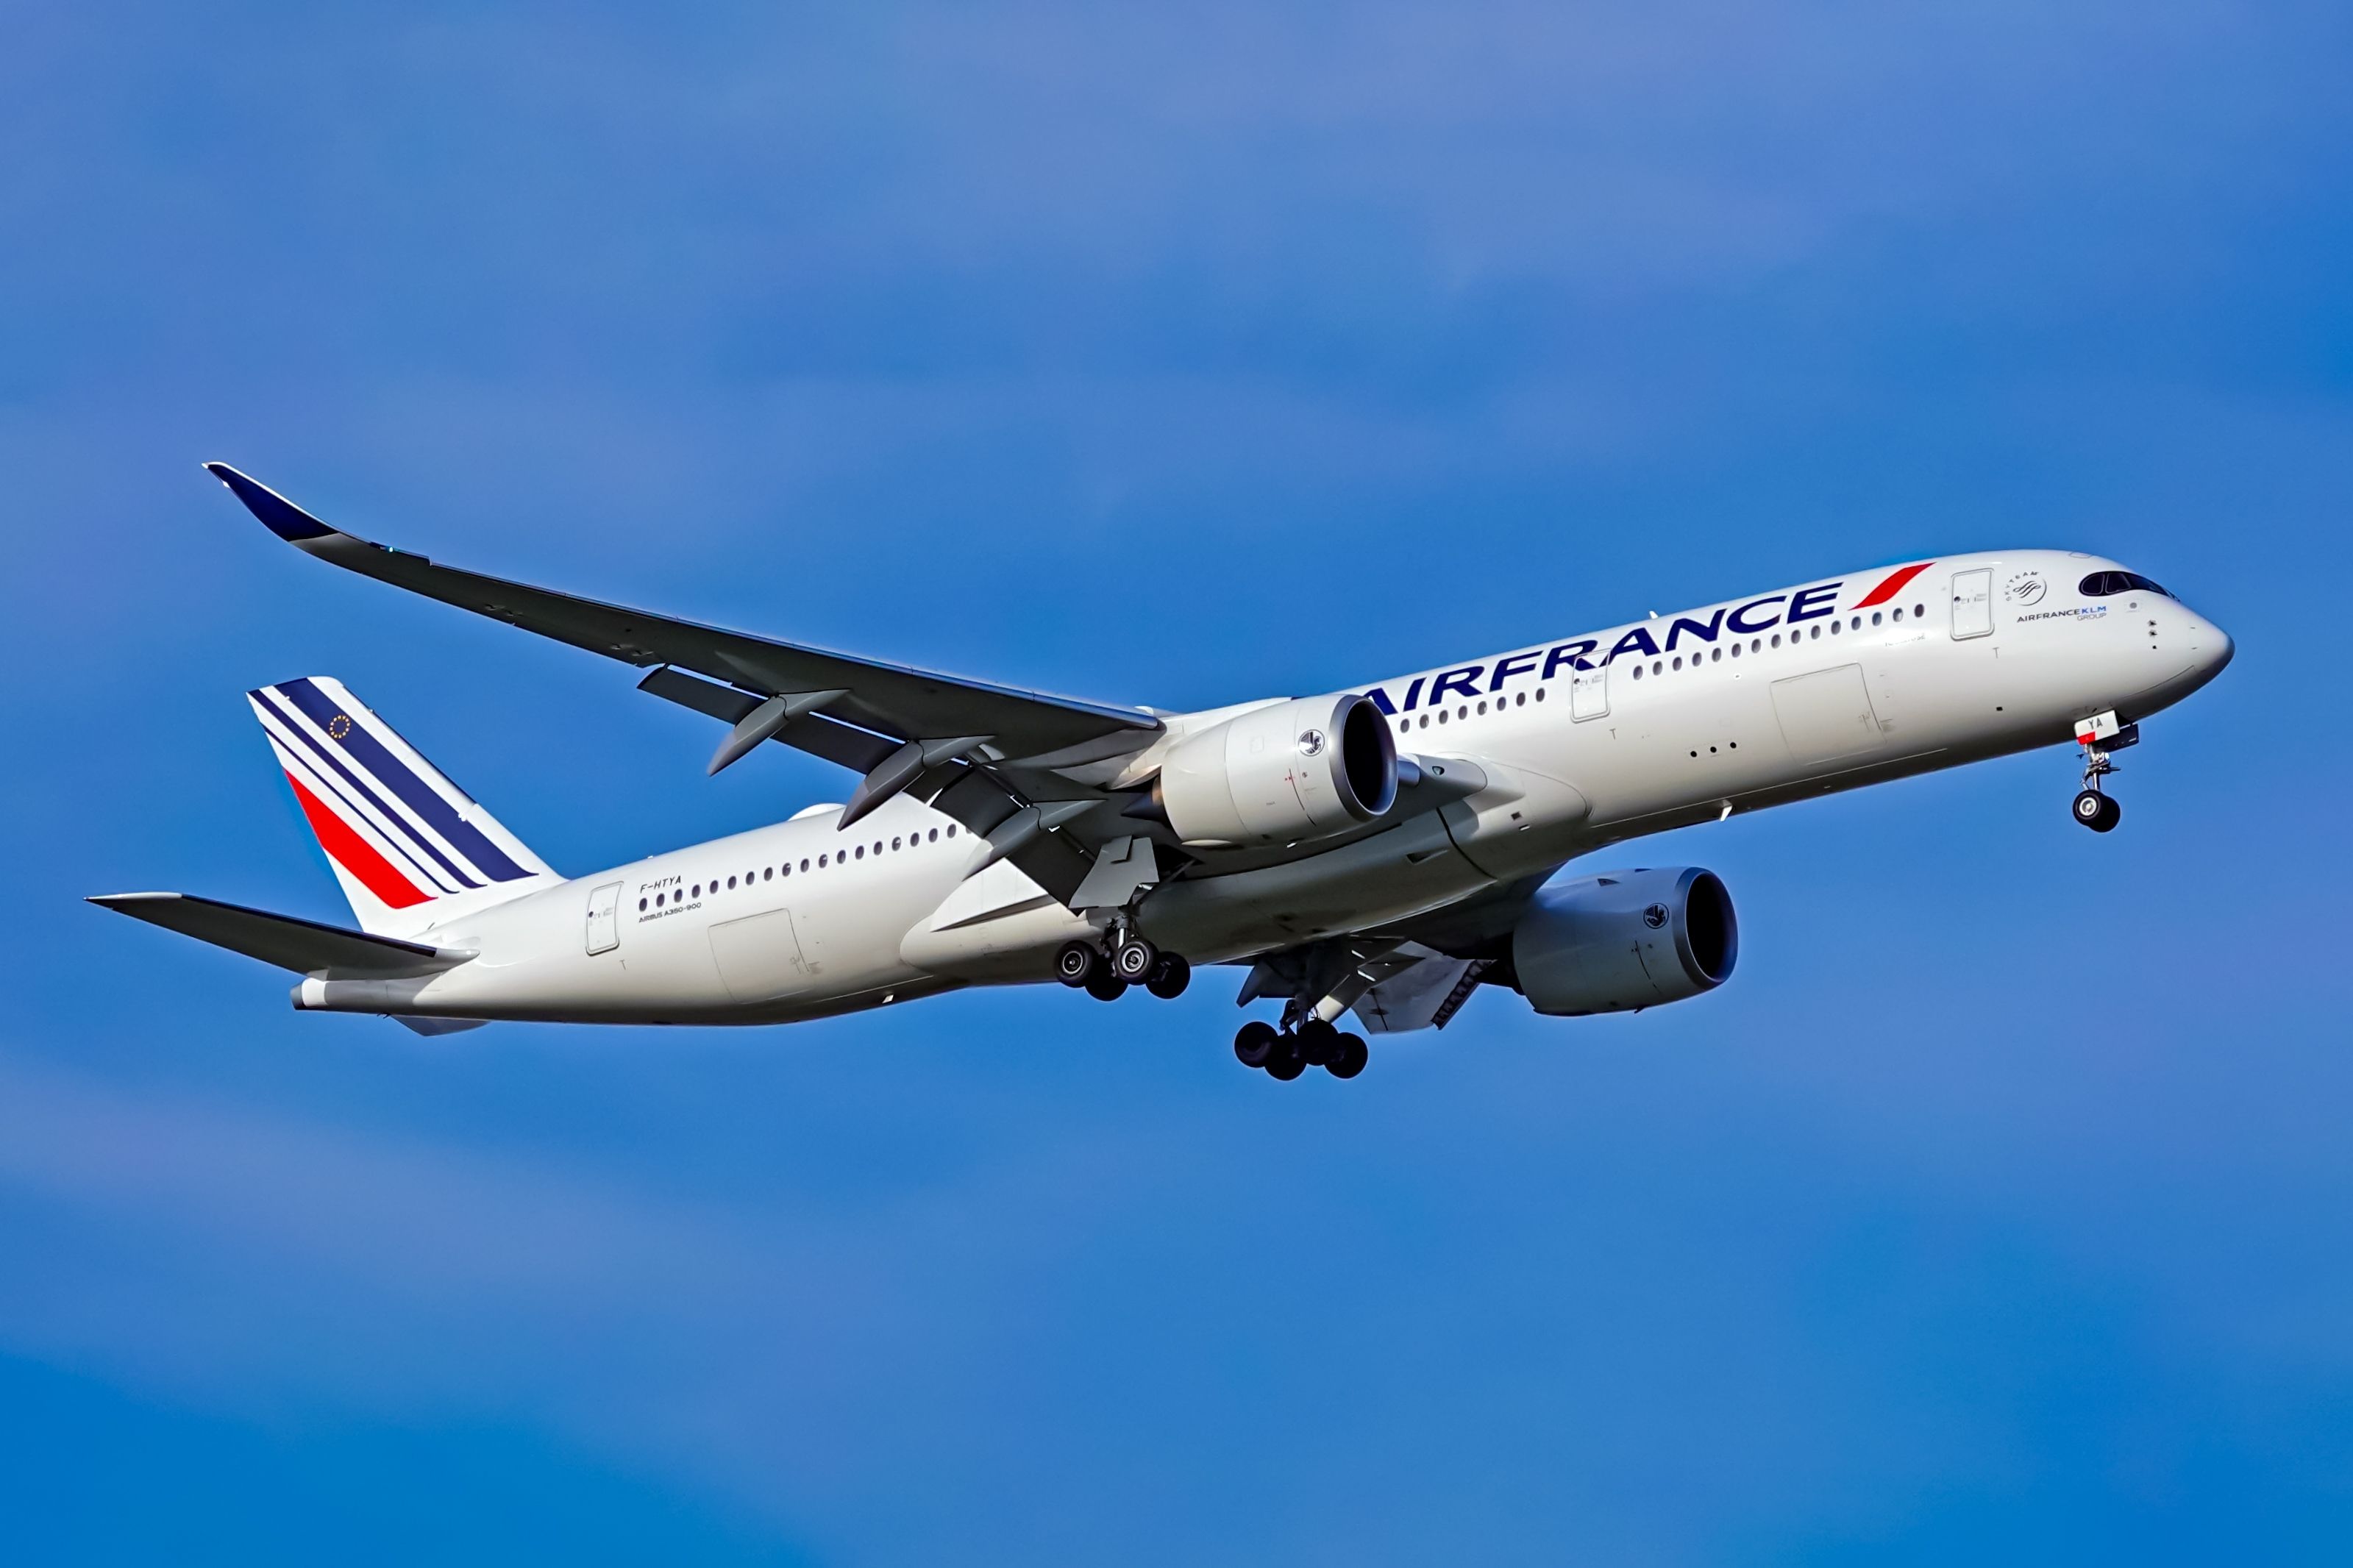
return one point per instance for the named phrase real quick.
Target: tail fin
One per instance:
(411, 849)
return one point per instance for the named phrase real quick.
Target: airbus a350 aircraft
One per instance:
(1382, 851)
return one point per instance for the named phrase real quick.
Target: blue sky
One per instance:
(1997, 1210)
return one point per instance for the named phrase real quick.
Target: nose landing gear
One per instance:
(2100, 735)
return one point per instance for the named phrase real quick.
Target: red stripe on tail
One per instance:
(1893, 586)
(355, 854)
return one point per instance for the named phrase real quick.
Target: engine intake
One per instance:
(1308, 768)
(1625, 940)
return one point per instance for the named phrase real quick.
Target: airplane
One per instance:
(1383, 851)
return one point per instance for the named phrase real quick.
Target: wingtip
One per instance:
(280, 516)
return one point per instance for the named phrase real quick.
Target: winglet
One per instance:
(280, 516)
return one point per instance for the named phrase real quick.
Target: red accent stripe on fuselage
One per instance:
(1893, 586)
(355, 854)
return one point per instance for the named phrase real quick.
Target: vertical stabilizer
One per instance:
(411, 849)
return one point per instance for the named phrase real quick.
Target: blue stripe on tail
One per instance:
(397, 776)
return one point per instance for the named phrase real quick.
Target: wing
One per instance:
(886, 699)
(988, 755)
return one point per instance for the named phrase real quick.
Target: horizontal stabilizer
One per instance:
(303, 946)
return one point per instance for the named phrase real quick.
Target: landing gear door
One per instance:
(1973, 604)
(605, 918)
(1588, 693)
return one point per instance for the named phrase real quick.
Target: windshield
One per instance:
(2100, 584)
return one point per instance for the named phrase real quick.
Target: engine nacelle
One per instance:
(1625, 940)
(1307, 768)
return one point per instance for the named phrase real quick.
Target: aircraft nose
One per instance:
(2215, 651)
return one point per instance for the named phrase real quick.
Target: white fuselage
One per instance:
(1601, 738)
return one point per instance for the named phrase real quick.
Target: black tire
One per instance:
(2109, 818)
(1318, 1039)
(1286, 1063)
(1076, 963)
(1133, 960)
(1255, 1043)
(1105, 986)
(2092, 809)
(1169, 977)
(1350, 1058)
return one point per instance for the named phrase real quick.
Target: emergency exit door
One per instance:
(1973, 604)
(605, 918)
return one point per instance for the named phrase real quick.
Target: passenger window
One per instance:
(951, 830)
(861, 852)
(1855, 624)
(1899, 616)
(1918, 611)
(1638, 675)
(767, 873)
(1735, 650)
(1441, 715)
(1679, 661)
(1658, 667)
(1777, 639)
(642, 906)
(820, 862)
(935, 836)
(1834, 629)
(698, 889)
(1715, 655)
(894, 844)
(1539, 694)
(731, 884)
(660, 899)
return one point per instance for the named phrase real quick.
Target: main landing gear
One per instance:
(1105, 975)
(2095, 808)
(1317, 1042)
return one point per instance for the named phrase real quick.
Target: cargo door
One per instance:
(605, 918)
(758, 956)
(1826, 714)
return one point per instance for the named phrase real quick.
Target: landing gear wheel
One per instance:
(1255, 1043)
(2098, 812)
(1105, 986)
(1318, 1042)
(1076, 963)
(1349, 1060)
(1169, 977)
(1133, 960)
(1286, 1063)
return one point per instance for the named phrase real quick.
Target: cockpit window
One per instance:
(2100, 584)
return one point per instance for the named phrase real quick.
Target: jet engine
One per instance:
(1308, 768)
(1625, 940)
